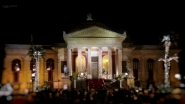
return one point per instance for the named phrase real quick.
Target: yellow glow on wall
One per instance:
(82, 61)
(105, 62)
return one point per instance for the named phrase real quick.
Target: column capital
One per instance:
(89, 48)
(119, 47)
(79, 48)
(69, 47)
(109, 47)
(100, 48)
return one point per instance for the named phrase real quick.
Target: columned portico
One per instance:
(101, 49)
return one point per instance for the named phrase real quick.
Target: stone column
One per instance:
(116, 62)
(143, 74)
(119, 60)
(100, 62)
(79, 60)
(155, 71)
(41, 69)
(89, 62)
(56, 71)
(69, 62)
(109, 63)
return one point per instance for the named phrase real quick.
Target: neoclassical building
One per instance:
(92, 48)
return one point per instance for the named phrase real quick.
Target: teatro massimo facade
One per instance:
(93, 49)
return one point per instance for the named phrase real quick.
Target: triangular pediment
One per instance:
(94, 32)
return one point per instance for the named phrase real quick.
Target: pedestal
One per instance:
(66, 81)
(130, 82)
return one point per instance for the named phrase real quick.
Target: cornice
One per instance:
(95, 32)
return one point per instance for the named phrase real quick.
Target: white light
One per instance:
(126, 73)
(178, 76)
(34, 68)
(18, 69)
(33, 74)
(8, 98)
(182, 85)
(48, 68)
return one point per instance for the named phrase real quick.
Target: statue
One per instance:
(64, 33)
(65, 70)
(124, 33)
(128, 71)
(89, 18)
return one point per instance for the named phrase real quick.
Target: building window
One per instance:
(135, 68)
(16, 67)
(33, 69)
(50, 68)
(150, 67)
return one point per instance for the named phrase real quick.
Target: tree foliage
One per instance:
(36, 49)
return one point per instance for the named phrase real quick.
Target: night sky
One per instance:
(46, 21)
(145, 22)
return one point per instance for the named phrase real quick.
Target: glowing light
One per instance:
(182, 85)
(178, 76)
(9, 98)
(33, 74)
(106, 60)
(126, 73)
(34, 69)
(48, 68)
(18, 69)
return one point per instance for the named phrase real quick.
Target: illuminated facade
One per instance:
(93, 48)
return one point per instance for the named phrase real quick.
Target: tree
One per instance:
(34, 49)
(35, 52)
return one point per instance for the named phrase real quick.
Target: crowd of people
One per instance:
(104, 95)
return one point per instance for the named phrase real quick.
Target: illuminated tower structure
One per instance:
(167, 59)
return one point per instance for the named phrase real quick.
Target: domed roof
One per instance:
(89, 23)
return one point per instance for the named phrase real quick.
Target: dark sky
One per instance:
(144, 22)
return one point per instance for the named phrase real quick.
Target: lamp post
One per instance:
(166, 60)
